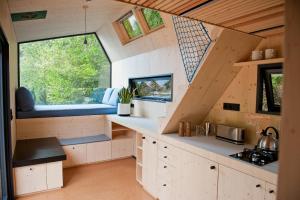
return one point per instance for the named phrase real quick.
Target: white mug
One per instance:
(257, 55)
(270, 53)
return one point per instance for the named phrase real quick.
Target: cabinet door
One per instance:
(198, 179)
(150, 165)
(30, 179)
(271, 191)
(76, 155)
(98, 151)
(121, 148)
(234, 185)
(54, 175)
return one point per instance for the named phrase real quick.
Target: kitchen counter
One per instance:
(37, 151)
(208, 147)
(143, 125)
(219, 151)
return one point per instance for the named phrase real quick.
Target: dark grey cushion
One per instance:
(24, 99)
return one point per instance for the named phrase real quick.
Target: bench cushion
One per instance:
(41, 111)
(84, 140)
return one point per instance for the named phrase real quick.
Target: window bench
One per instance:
(84, 140)
(38, 165)
(43, 111)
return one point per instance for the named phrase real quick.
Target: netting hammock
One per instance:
(193, 40)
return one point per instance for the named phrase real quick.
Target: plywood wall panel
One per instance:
(61, 127)
(215, 74)
(7, 27)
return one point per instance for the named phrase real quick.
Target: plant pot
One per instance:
(123, 109)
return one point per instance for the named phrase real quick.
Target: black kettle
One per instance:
(267, 141)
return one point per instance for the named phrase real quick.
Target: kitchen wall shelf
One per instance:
(258, 62)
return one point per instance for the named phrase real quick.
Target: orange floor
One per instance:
(114, 180)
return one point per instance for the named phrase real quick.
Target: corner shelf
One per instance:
(258, 62)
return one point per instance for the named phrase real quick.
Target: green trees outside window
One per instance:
(152, 18)
(131, 26)
(64, 71)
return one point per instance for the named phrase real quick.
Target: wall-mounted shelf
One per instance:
(258, 62)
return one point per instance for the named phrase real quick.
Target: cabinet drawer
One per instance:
(164, 190)
(76, 155)
(31, 179)
(98, 151)
(167, 148)
(165, 171)
(271, 191)
(54, 175)
(121, 148)
(167, 157)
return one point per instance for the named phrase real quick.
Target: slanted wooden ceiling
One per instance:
(258, 17)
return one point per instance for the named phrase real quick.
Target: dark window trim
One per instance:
(65, 36)
(264, 73)
(154, 99)
(5, 138)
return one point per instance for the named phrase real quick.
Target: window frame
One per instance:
(59, 37)
(139, 12)
(122, 33)
(264, 73)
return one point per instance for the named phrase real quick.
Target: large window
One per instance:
(269, 88)
(64, 70)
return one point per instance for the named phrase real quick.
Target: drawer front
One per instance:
(76, 155)
(54, 175)
(165, 171)
(164, 190)
(30, 179)
(167, 148)
(167, 157)
(98, 151)
(271, 192)
(121, 148)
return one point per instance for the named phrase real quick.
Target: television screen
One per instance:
(155, 88)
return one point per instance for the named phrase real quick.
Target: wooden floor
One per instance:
(113, 180)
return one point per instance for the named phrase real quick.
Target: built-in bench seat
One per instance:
(41, 111)
(84, 140)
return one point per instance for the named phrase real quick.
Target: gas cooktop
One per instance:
(257, 156)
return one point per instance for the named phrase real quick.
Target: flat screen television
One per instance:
(153, 88)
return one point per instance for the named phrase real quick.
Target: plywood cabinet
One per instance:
(98, 151)
(54, 175)
(121, 147)
(271, 192)
(198, 177)
(234, 185)
(30, 179)
(150, 165)
(76, 155)
(35, 178)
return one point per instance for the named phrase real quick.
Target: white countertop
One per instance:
(208, 147)
(143, 125)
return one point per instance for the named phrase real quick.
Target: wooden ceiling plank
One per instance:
(271, 32)
(169, 5)
(174, 6)
(220, 16)
(149, 3)
(162, 3)
(255, 15)
(187, 6)
(141, 2)
(241, 11)
(222, 7)
(262, 24)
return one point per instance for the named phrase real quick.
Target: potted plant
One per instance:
(125, 97)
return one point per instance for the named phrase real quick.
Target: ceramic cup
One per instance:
(257, 55)
(270, 53)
